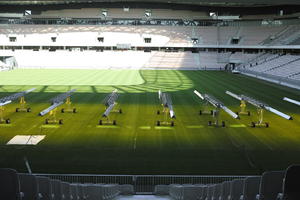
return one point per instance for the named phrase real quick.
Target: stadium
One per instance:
(155, 99)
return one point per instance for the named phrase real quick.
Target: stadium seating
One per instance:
(272, 185)
(129, 190)
(216, 192)
(163, 36)
(161, 190)
(274, 65)
(9, 185)
(266, 187)
(291, 184)
(126, 60)
(225, 190)
(236, 189)
(14, 186)
(250, 188)
(29, 186)
(45, 188)
(56, 189)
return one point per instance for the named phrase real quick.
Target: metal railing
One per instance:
(143, 184)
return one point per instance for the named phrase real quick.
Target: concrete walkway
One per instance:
(143, 197)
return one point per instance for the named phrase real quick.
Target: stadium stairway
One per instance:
(272, 185)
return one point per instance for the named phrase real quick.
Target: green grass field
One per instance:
(136, 145)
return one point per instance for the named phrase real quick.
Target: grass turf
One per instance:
(136, 145)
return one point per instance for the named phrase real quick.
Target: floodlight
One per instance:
(198, 94)
(233, 95)
(5, 103)
(291, 101)
(273, 110)
(49, 109)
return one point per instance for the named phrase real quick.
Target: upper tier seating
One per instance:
(163, 36)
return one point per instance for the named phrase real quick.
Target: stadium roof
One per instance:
(190, 2)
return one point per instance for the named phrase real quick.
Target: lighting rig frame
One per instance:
(167, 109)
(9, 99)
(261, 107)
(209, 99)
(110, 103)
(55, 103)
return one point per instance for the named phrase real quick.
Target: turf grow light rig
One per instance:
(110, 104)
(260, 109)
(56, 102)
(9, 99)
(168, 111)
(215, 113)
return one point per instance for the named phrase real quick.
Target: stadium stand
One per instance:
(161, 189)
(29, 186)
(163, 36)
(290, 183)
(9, 185)
(126, 60)
(236, 189)
(45, 189)
(16, 186)
(250, 188)
(277, 68)
(273, 63)
(225, 190)
(216, 192)
(269, 186)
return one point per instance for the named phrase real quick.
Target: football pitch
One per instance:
(136, 145)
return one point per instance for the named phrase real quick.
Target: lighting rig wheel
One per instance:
(223, 124)
(172, 123)
(47, 121)
(62, 110)
(158, 123)
(17, 109)
(120, 111)
(249, 113)
(60, 121)
(74, 110)
(7, 121)
(209, 123)
(253, 124)
(28, 109)
(200, 112)
(158, 112)
(114, 122)
(100, 122)
(267, 125)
